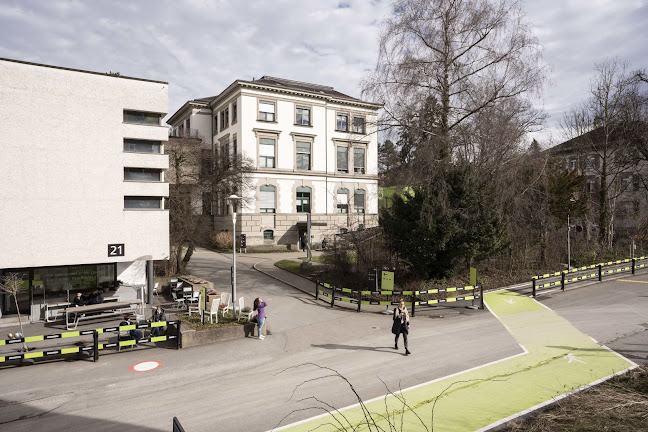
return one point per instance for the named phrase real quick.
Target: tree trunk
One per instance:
(24, 345)
(187, 256)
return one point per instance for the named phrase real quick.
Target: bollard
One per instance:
(600, 273)
(481, 296)
(359, 299)
(332, 296)
(178, 335)
(413, 303)
(634, 262)
(534, 287)
(562, 281)
(316, 290)
(95, 340)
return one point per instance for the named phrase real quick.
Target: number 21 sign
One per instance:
(116, 250)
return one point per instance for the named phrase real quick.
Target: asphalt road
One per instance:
(251, 385)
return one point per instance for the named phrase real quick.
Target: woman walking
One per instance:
(401, 325)
(259, 306)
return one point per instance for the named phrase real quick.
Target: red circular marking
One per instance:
(145, 366)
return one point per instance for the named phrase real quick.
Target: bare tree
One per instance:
(12, 284)
(200, 177)
(464, 56)
(598, 128)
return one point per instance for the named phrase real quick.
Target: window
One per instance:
(235, 150)
(342, 123)
(358, 124)
(626, 182)
(234, 112)
(572, 164)
(303, 199)
(142, 202)
(302, 116)
(143, 174)
(303, 158)
(592, 161)
(359, 201)
(224, 119)
(267, 152)
(343, 200)
(215, 124)
(266, 111)
(142, 146)
(268, 235)
(359, 160)
(206, 203)
(267, 199)
(189, 126)
(142, 118)
(342, 159)
(589, 186)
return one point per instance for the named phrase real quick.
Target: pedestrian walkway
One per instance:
(557, 359)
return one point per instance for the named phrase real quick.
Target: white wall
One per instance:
(62, 167)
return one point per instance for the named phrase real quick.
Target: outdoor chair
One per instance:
(213, 309)
(155, 289)
(180, 301)
(194, 303)
(226, 299)
(241, 313)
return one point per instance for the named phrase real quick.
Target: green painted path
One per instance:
(559, 359)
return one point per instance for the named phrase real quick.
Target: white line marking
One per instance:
(572, 358)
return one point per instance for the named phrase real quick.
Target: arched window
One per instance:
(343, 200)
(359, 201)
(303, 199)
(267, 199)
(268, 235)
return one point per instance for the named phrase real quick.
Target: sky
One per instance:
(202, 46)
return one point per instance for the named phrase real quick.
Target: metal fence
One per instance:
(586, 272)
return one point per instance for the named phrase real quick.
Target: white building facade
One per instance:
(314, 150)
(81, 180)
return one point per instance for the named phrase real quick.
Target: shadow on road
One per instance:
(356, 348)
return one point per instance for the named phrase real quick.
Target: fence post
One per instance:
(600, 272)
(633, 265)
(332, 295)
(178, 334)
(316, 290)
(481, 296)
(413, 303)
(533, 281)
(95, 340)
(359, 299)
(562, 281)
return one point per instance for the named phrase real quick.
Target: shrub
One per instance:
(221, 239)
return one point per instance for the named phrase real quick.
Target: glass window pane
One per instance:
(142, 174)
(141, 202)
(342, 159)
(268, 235)
(267, 107)
(142, 146)
(359, 160)
(358, 124)
(143, 118)
(342, 122)
(359, 201)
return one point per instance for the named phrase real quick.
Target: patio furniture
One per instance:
(180, 301)
(194, 303)
(226, 299)
(102, 310)
(213, 309)
(243, 314)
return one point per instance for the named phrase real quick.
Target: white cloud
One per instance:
(201, 46)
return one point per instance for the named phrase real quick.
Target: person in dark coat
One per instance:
(158, 316)
(134, 334)
(96, 298)
(401, 325)
(79, 300)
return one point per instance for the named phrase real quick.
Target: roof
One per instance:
(110, 74)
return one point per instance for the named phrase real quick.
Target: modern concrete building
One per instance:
(82, 185)
(314, 150)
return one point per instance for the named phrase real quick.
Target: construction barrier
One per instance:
(95, 347)
(413, 294)
(599, 273)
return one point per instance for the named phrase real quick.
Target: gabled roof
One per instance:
(280, 85)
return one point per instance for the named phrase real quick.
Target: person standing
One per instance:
(259, 306)
(401, 325)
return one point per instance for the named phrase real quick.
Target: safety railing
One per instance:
(414, 296)
(598, 273)
(96, 345)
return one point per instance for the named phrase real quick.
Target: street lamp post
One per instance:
(233, 199)
(571, 201)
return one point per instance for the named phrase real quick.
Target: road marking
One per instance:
(510, 301)
(501, 390)
(628, 280)
(146, 366)
(572, 358)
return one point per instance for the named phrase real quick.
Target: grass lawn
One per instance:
(291, 266)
